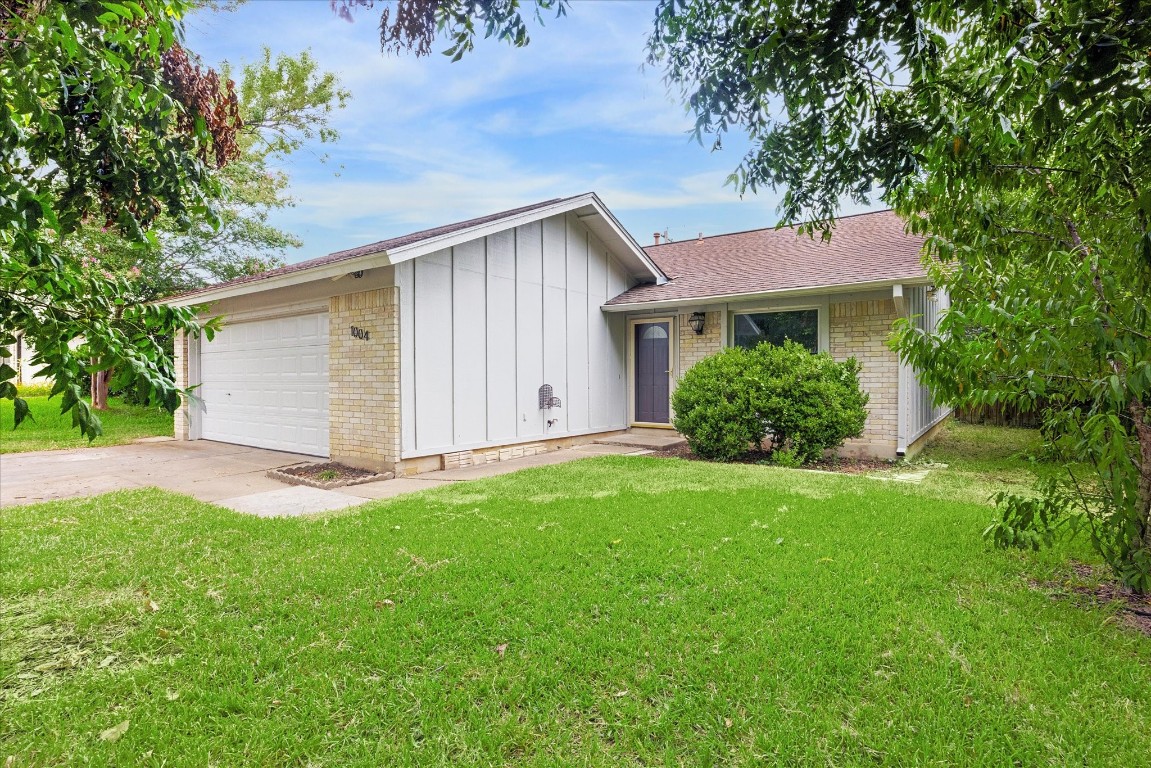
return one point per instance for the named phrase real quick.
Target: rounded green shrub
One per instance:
(713, 407)
(804, 403)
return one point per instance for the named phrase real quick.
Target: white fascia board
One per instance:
(332, 271)
(641, 306)
(439, 243)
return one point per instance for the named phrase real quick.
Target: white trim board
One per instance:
(831, 290)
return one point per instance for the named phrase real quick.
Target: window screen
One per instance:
(754, 328)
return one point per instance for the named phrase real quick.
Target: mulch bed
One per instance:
(313, 471)
(328, 475)
(1134, 610)
(848, 466)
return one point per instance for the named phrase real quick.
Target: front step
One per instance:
(651, 439)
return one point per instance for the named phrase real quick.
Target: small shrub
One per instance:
(327, 475)
(804, 403)
(786, 457)
(36, 389)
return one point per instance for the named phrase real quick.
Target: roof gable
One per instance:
(587, 207)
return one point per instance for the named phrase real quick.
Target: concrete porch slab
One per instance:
(290, 502)
(654, 442)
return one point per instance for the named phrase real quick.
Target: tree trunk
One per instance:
(100, 389)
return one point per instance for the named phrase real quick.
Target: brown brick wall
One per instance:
(364, 390)
(860, 329)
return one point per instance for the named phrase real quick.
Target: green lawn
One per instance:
(979, 461)
(50, 430)
(614, 611)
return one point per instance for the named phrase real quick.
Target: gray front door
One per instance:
(652, 372)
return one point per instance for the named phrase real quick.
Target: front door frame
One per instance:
(673, 360)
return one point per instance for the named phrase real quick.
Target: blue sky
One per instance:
(426, 142)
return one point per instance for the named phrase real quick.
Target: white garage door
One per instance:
(265, 383)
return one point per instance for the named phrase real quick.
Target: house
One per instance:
(538, 328)
(19, 356)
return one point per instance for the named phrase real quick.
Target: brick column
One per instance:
(364, 379)
(180, 370)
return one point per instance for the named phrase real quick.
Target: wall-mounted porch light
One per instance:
(696, 321)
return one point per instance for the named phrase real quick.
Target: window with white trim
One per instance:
(800, 326)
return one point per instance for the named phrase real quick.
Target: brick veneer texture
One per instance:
(364, 389)
(860, 329)
(693, 347)
(180, 364)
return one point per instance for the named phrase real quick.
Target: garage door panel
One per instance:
(265, 383)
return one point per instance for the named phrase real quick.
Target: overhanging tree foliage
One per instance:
(1016, 136)
(103, 117)
(283, 102)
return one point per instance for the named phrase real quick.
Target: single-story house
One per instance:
(539, 328)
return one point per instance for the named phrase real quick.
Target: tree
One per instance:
(283, 101)
(415, 24)
(119, 125)
(1015, 136)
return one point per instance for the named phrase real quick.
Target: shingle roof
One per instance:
(364, 250)
(864, 248)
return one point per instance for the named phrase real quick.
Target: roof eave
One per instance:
(331, 271)
(870, 285)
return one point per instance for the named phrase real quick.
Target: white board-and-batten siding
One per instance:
(920, 412)
(484, 324)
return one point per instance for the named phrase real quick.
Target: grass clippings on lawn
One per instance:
(963, 462)
(49, 430)
(612, 611)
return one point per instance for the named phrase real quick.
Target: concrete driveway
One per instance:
(203, 469)
(232, 476)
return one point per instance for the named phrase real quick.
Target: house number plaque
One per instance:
(361, 334)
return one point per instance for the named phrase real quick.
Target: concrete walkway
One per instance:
(231, 476)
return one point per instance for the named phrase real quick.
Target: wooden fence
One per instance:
(999, 416)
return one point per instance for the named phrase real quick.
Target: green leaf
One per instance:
(21, 411)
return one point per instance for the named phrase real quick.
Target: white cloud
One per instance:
(425, 142)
